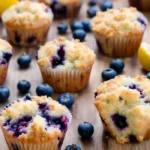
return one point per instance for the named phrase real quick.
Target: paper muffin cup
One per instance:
(27, 37)
(143, 5)
(121, 46)
(66, 80)
(55, 144)
(3, 72)
(68, 11)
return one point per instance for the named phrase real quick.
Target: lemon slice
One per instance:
(4, 4)
(144, 55)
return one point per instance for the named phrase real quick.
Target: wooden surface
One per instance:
(83, 109)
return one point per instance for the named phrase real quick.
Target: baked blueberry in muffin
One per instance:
(5, 56)
(66, 65)
(64, 8)
(123, 105)
(35, 123)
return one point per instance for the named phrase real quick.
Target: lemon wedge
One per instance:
(144, 55)
(4, 4)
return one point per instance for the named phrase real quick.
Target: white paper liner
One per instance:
(3, 72)
(66, 80)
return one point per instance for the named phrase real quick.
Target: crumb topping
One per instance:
(64, 54)
(119, 22)
(26, 14)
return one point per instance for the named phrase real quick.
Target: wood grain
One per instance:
(83, 109)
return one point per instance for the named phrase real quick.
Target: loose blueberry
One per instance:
(44, 90)
(92, 2)
(117, 64)
(87, 25)
(108, 74)
(24, 60)
(106, 4)
(23, 86)
(62, 28)
(76, 25)
(4, 93)
(66, 99)
(148, 75)
(85, 130)
(92, 11)
(72, 147)
(79, 34)
(120, 121)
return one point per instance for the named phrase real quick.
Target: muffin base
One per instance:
(66, 80)
(68, 11)
(3, 72)
(27, 38)
(119, 46)
(143, 5)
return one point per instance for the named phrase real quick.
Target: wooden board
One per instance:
(83, 109)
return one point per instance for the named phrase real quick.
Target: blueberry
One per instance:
(106, 4)
(24, 60)
(85, 130)
(117, 64)
(4, 93)
(44, 90)
(87, 25)
(148, 75)
(66, 99)
(92, 11)
(79, 34)
(108, 74)
(23, 86)
(7, 56)
(62, 28)
(120, 121)
(72, 147)
(56, 61)
(77, 25)
(92, 2)
(132, 138)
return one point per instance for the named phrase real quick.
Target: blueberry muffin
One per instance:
(64, 8)
(35, 123)
(143, 5)
(123, 105)
(27, 23)
(66, 65)
(5, 56)
(119, 31)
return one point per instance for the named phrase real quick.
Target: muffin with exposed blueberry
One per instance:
(5, 56)
(66, 65)
(119, 31)
(143, 5)
(35, 123)
(27, 23)
(123, 105)
(64, 8)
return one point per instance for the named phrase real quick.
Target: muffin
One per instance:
(123, 105)
(66, 65)
(64, 8)
(35, 123)
(143, 5)
(5, 56)
(119, 31)
(27, 23)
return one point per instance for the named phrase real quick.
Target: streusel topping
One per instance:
(35, 115)
(124, 106)
(119, 22)
(5, 51)
(26, 14)
(64, 54)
